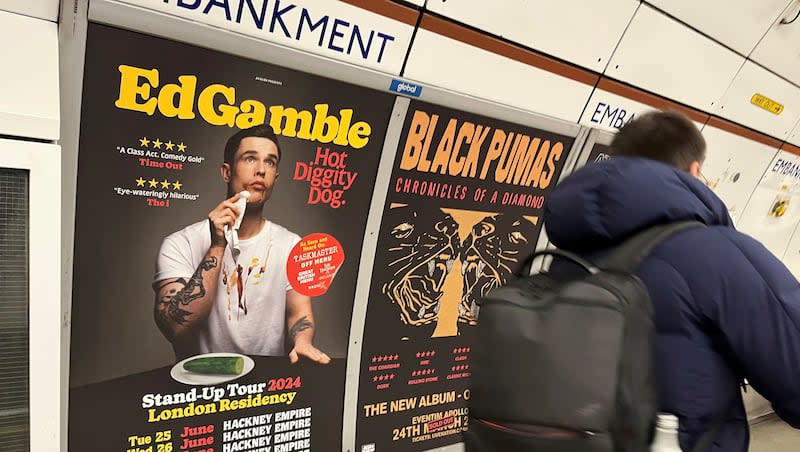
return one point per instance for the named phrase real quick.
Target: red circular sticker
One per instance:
(313, 264)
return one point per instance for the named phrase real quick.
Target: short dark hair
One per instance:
(259, 131)
(666, 136)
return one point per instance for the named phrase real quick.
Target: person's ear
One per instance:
(225, 172)
(694, 169)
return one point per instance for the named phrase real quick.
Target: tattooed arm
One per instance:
(300, 321)
(183, 304)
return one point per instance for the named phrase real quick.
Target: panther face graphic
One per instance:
(490, 254)
(425, 250)
(422, 253)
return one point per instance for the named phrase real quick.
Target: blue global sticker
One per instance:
(401, 87)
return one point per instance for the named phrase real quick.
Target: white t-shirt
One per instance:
(252, 324)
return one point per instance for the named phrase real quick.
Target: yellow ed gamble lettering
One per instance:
(217, 105)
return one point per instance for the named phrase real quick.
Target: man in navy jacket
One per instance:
(725, 307)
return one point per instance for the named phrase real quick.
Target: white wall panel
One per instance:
(330, 28)
(42, 9)
(738, 24)
(612, 105)
(609, 111)
(664, 56)
(794, 137)
(754, 80)
(791, 258)
(777, 51)
(29, 96)
(445, 62)
(578, 31)
(734, 166)
(773, 212)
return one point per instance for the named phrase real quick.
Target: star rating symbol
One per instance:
(168, 145)
(459, 351)
(384, 358)
(165, 184)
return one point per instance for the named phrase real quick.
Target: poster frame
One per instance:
(579, 154)
(365, 269)
(596, 136)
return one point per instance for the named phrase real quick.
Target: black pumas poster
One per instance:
(462, 213)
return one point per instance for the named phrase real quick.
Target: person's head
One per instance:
(666, 136)
(251, 163)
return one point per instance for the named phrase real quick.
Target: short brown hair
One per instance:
(665, 136)
(259, 131)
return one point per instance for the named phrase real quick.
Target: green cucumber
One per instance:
(215, 365)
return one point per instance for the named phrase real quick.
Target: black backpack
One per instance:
(565, 364)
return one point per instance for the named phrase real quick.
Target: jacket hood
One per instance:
(603, 203)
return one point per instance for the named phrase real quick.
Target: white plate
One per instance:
(190, 378)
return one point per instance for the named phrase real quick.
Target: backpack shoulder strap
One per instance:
(628, 255)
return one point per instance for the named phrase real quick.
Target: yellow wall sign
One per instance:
(766, 103)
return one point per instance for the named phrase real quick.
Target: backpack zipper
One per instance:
(570, 301)
(542, 432)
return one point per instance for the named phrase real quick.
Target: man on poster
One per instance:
(209, 299)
